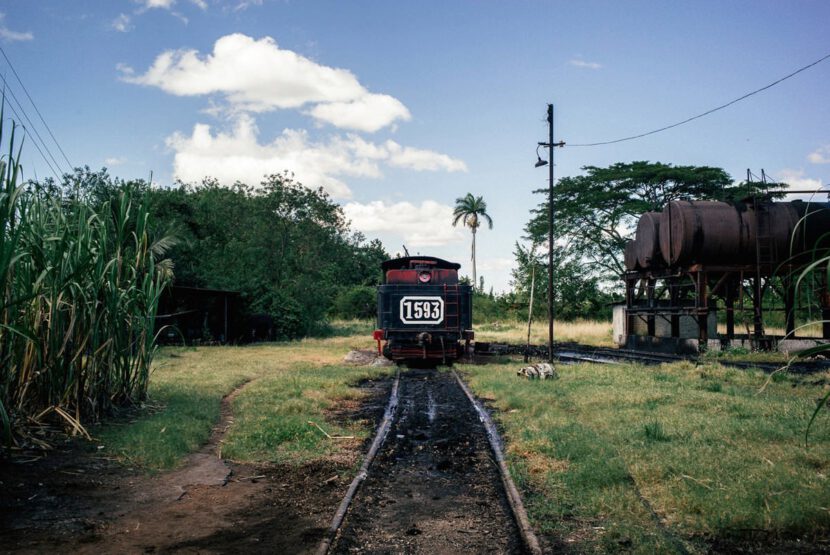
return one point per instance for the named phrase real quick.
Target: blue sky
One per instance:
(397, 108)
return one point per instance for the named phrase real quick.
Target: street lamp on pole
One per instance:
(539, 163)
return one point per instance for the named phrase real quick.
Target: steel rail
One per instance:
(608, 356)
(513, 497)
(380, 437)
(572, 353)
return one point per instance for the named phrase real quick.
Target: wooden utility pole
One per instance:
(550, 146)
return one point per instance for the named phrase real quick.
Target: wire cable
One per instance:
(706, 113)
(35, 106)
(31, 127)
(34, 142)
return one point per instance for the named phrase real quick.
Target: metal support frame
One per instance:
(696, 292)
(731, 289)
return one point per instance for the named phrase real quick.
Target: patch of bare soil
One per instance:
(760, 541)
(74, 501)
(366, 357)
(434, 487)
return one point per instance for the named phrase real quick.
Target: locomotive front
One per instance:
(424, 314)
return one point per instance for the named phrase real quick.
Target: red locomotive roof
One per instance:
(425, 277)
(412, 262)
(423, 270)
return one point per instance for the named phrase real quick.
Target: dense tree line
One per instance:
(290, 253)
(286, 248)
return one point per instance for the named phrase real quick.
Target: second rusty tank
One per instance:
(647, 242)
(630, 256)
(720, 233)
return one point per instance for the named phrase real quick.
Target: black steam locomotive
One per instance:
(424, 314)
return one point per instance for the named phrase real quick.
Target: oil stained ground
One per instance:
(434, 487)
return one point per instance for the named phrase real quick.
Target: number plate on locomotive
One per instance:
(422, 310)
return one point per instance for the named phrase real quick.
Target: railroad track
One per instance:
(572, 353)
(615, 355)
(434, 479)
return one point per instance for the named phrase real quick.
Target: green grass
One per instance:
(609, 457)
(741, 354)
(588, 332)
(290, 384)
(705, 448)
(271, 422)
(348, 328)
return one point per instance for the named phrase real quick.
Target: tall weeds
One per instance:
(80, 287)
(816, 272)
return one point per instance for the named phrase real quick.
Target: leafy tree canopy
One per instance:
(576, 293)
(596, 213)
(286, 248)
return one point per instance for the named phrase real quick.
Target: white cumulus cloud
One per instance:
(145, 6)
(797, 180)
(579, 62)
(152, 4)
(238, 155)
(422, 160)
(820, 156)
(370, 112)
(168, 4)
(7, 35)
(426, 225)
(259, 76)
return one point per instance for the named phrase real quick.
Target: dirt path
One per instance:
(434, 487)
(74, 501)
(437, 491)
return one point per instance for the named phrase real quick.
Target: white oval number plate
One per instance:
(422, 310)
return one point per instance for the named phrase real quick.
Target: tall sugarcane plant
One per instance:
(80, 288)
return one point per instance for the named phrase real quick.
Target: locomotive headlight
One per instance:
(424, 277)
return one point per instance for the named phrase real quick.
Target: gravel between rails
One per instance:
(434, 487)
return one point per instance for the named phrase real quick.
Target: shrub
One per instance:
(357, 302)
(288, 319)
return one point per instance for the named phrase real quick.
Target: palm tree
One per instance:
(469, 210)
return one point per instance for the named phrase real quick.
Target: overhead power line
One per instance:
(45, 159)
(707, 112)
(48, 129)
(31, 128)
(56, 173)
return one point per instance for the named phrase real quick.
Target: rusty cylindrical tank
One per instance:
(630, 256)
(703, 232)
(648, 240)
(719, 233)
